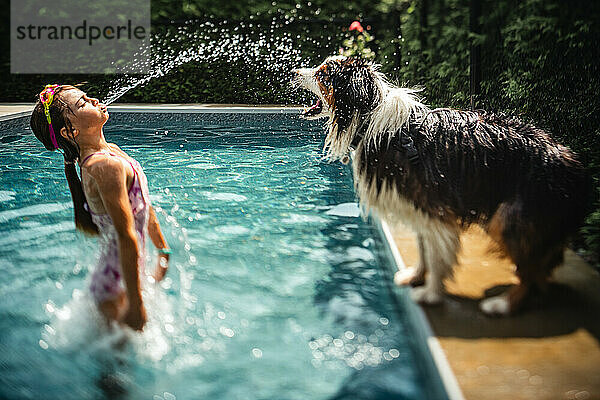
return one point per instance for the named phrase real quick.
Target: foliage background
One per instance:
(539, 59)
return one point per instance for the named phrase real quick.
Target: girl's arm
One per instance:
(110, 176)
(160, 243)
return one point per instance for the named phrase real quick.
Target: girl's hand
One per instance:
(135, 317)
(161, 267)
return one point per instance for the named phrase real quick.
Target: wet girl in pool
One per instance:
(110, 201)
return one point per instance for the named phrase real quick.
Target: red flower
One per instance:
(356, 26)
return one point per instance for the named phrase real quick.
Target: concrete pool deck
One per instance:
(546, 353)
(550, 352)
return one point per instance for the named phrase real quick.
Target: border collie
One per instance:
(439, 171)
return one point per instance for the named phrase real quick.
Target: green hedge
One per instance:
(539, 61)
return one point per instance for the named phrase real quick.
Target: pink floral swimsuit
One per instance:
(107, 282)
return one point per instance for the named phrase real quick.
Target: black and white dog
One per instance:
(438, 171)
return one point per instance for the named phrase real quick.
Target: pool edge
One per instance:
(14, 115)
(20, 118)
(24, 110)
(440, 360)
(203, 109)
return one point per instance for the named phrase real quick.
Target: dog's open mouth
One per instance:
(313, 110)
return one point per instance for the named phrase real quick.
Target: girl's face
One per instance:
(88, 114)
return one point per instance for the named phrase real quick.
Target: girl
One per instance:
(111, 200)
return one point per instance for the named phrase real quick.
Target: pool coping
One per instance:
(10, 111)
(416, 314)
(419, 320)
(14, 115)
(204, 109)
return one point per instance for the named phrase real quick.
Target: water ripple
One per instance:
(38, 209)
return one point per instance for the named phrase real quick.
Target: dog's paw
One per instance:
(425, 295)
(497, 306)
(408, 276)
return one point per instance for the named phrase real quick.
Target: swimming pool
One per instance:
(278, 289)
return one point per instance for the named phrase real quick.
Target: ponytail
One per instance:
(83, 218)
(70, 151)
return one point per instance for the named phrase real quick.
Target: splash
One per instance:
(261, 49)
(77, 327)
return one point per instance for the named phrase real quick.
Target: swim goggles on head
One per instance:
(46, 98)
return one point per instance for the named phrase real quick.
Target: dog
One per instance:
(439, 171)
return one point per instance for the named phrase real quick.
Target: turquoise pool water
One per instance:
(277, 288)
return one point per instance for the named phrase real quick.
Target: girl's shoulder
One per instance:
(120, 153)
(123, 155)
(113, 156)
(114, 147)
(104, 165)
(108, 174)
(117, 150)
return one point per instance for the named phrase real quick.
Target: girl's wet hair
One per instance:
(59, 114)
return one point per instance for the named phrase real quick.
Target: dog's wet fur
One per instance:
(527, 191)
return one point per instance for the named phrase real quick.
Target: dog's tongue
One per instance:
(314, 110)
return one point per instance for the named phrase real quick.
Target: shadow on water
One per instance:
(111, 384)
(361, 282)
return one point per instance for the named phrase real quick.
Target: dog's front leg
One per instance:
(440, 246)
(414, 276)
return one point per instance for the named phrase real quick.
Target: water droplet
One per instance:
(257, 353)
(226, 331)
(169, 396)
